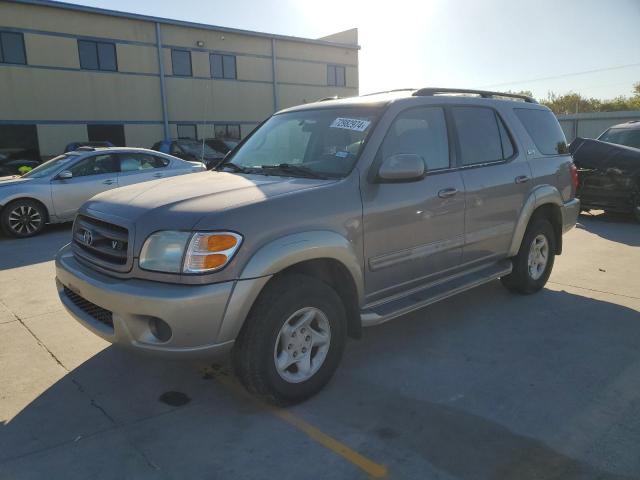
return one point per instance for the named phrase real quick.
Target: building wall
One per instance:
(591, 125)
(53, 92)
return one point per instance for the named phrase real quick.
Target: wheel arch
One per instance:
(322, 254)
(31, 199)
(544, 201)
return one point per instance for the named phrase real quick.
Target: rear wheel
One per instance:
(292, 341)
(534, 261)
(23, 218)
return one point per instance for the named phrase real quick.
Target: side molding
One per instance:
(299, 247)
(540, 195)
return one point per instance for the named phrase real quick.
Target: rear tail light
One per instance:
(574, 178)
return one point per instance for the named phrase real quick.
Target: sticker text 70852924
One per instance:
(356, 124)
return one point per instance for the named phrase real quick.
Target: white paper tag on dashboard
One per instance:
(350, 124)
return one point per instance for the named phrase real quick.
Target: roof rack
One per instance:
(325, 99)
(429, 92)
(85, 148)
(388, 91)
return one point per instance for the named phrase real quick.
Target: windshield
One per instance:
(196, 149)
(47, 168)
(325, 142)
(622, 136)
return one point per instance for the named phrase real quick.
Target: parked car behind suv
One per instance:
(191, 150)
(329, 217)
(53, 191)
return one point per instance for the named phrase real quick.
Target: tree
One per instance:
(575, 103)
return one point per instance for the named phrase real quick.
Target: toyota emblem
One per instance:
(87, 237)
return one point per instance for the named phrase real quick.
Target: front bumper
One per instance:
(124, 312)
(570, 211)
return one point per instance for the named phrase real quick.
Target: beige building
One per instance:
(73, 73)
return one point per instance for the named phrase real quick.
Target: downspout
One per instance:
(163, 90)
(275, 76)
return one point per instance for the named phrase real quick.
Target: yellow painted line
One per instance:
(371, 468)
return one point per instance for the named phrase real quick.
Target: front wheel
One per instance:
(292, 340)
(23, 218)
(534, 261)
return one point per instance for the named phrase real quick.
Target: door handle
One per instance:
(522, 179)
(108, 182)
(447, 192)
(157, 175)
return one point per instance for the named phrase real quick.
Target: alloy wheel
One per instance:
(25, 220)
(302, 345)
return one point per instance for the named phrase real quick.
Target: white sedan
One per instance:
(53, 191)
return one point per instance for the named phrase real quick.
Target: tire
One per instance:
(522, 278)
(23, 218)
(262, 342)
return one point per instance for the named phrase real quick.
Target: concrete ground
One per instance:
(486, 385)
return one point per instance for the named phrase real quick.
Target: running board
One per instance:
(387, 310)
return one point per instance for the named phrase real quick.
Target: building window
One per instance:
(12, 48)
(97, 55)
(181, 62)
(187, 130)
(223, 66)
(107, 133)
(229, 131)
(336, 76)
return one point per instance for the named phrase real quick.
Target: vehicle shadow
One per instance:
(486, 386)
(20, 252)
(617, 227)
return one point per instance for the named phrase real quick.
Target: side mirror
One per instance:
(402, 167)
(64, 175)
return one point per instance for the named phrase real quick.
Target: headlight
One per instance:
(205, 251)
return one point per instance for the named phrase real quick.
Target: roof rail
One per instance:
(85, 148)
(388, 91)
(325, 99)
(429, 92)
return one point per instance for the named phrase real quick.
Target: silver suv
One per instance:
(329, 217)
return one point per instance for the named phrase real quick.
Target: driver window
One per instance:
(421, 131)
(95, 165)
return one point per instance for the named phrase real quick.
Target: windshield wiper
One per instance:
(295, 170)
(232, 166)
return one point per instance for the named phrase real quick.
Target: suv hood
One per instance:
(179, 202)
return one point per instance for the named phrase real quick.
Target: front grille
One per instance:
(101, 242)
(98, 313)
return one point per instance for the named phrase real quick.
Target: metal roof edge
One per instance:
(181, 23)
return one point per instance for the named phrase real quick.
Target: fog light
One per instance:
(160, 329)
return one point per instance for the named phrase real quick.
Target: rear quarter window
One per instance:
(544, 129)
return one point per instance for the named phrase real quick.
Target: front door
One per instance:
(91, 175)
(497, 180)
(413, 231)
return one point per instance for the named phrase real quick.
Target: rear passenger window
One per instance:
(421, 131)
(133, 162)
(544, 129)
(479, 135)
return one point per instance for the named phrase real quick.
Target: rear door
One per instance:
(142, 167)
(91, 175)
(497, 181)
(413, 231)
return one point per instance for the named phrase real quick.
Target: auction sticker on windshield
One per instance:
(350, 124)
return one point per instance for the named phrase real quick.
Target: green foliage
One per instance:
(574, 102)
(24, 169)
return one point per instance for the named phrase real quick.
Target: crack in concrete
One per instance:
(595, 290)
(79, 386)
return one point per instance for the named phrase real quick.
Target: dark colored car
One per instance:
(221, 145)
(191, 150)
(75, 145)
(609, 175)
(12, 160)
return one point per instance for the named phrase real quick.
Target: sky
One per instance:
(591, 47)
